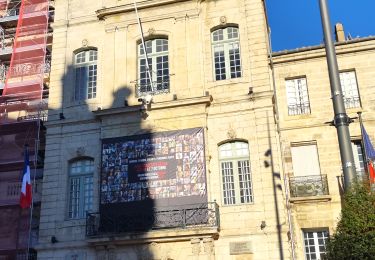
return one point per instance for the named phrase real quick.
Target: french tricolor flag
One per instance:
(25, 200)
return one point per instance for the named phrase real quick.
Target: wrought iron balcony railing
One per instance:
(157, 87)
(194, 215)
(299, 109)
(305, 186)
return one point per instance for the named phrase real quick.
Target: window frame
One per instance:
(354, 100)
(160, 86)
(302, 107)
(316, 242)
(359, 159)
(231, 193)
(225, 44)
(77, 206)
(82, 85)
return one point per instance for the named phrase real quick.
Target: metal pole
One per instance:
(341, 120)
(144, 46)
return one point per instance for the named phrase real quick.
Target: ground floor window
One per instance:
(315, 243)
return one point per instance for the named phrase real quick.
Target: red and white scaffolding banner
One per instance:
(24, 80)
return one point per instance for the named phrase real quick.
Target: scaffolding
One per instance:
(24, 30)
(23, 88)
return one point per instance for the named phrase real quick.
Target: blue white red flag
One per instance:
(370, 154)
(26, 188)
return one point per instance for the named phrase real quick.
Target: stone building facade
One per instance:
(304, 114)
(209, 69)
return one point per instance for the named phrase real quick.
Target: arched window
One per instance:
(157, 54)
(80, 187)
(226, 53)
(85, 72)
(235, 173)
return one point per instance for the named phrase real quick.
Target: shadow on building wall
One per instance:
(125, 208)
(277, 189)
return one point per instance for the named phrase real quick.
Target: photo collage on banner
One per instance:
(167, 165)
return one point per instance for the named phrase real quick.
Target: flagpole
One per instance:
(149, 73)
(36, 145)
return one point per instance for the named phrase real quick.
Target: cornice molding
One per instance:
(205, 100)
(106, 11)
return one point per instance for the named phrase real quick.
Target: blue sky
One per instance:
(296, 23)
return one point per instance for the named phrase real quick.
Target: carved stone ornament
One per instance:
(231, 133)
(223, 19)
(208, 244)
(85, 43)
(195, 246)
(151, 31)
(80, 151)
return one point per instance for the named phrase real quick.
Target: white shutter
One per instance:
(305, 160)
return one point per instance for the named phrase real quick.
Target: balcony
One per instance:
(308, 186)
(10, 192)
(352, 102)
(299, 109)
(143, 88)
(201, 216)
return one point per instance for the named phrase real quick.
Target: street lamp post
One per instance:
(341, 120)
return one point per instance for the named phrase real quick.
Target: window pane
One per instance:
(226, 53)
(218, 35)
(232, 32)
(81, 188)
(145, 83)
(235, 62)
(219, 63)
(92, 82)
(315, 244)
(297, 96)
(228, 183)
(245, 181)
(74, 198)
(81, 83)
(158, 64)
(162, 73)
(93, 55)
(88, 193)
(85, 75)
(350, 89)
(237, 187)
(225, 150)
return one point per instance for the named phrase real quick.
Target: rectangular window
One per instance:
(85, 75)
(158, 63)
(226, 53)
(245, 181)
(228, 183)
(297, 96)
(315, 244)
(349, 88)
(80, 188)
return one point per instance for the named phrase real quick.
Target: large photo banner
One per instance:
(167, 168)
